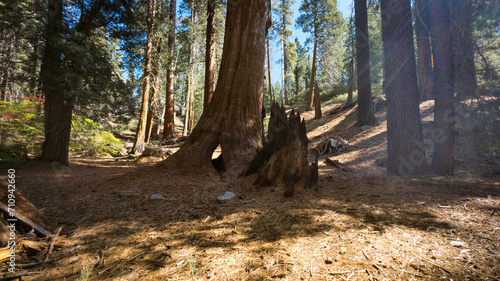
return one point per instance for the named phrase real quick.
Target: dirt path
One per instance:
(359, 225)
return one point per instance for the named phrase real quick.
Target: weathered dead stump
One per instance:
(284, 156)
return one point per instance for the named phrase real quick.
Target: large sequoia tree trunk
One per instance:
(404, 129)
(233, 117)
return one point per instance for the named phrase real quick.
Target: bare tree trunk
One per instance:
(317, 102)
(233, 117)
(169, 118)
(270, 81)
(365, 101)
(210, 54)
(152, 125)
(57, 106)
(350, 83)
(461, 31)
(405, 148)
(138, 146)
(422, 30)
(310, 95)
(444, 109)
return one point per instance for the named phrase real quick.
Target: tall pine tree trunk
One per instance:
(350, 83)
(365, 102)
(210, 54)
(58, 106)
(169, 118)
(138, 146)
(444, 109)
(317, 102)
(461, 31)
(153, 120)
(269, 80)
(422, 30)
(310, 94)
(233, 117)
(405, 148)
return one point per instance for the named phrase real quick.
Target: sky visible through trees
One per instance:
(344, 6)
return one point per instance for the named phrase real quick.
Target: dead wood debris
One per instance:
(332, 145)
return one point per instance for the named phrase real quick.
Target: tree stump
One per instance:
(284, 156)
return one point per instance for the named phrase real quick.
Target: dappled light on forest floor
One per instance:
(360, 223)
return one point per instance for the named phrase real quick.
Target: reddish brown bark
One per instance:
(317, 102)
(233, 117)
(404, 129)
(310, 94)
(152, 122)
(138, 146)
(169, 118)
(210, 54)
(444, 109)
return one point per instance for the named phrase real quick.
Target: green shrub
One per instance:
(21, 129)
(22, 133)
(92, 139)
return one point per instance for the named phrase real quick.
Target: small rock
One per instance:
(90, 174)
(364, 127)
(226, 196)
(328, 260)
(157, 197)
(127, 193)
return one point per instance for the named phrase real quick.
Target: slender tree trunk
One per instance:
(187, 114)
(210, 54)
(422, 30)
(350, 83)
(285, 78)
(461, 31)
(405, 148)
(138, 146)
(269, 80)
(169, 118)
(310, 95)
(152, 125)
(365, 101)
(444, 108)
(317, 102)
(233, 117)
(57, 106)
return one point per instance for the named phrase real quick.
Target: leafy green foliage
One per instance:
(21, 129)
(91, 138)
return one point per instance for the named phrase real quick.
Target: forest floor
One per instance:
(361, 224)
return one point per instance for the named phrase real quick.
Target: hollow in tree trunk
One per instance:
(444, 108)
(405, 148)
(233, 117)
